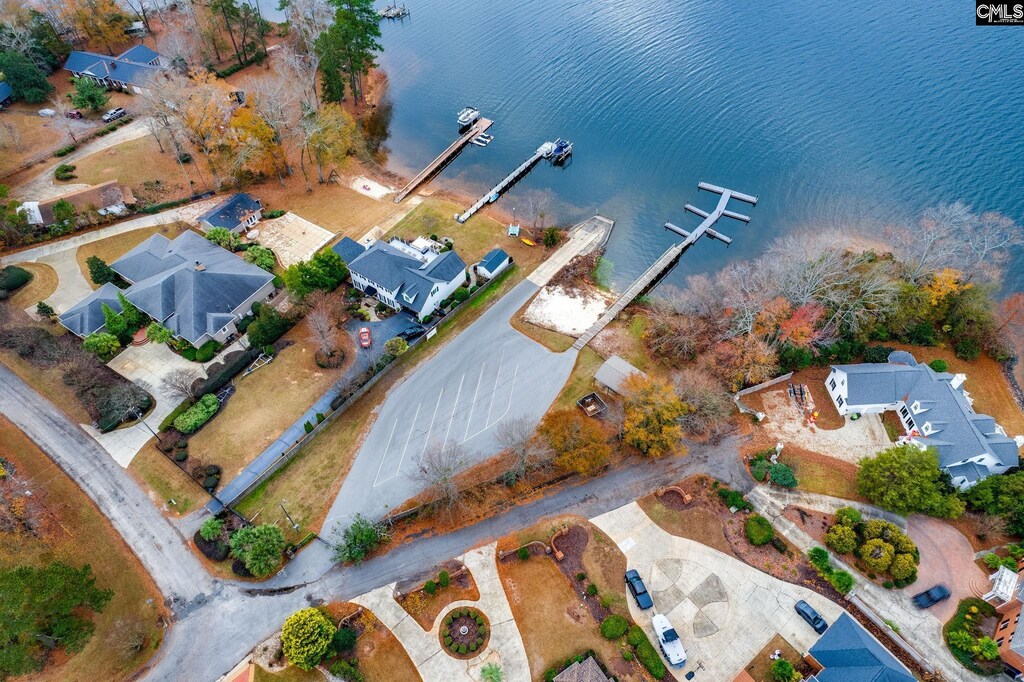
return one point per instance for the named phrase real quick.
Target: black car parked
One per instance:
(931, 596)
(812, 617)
(638, 590)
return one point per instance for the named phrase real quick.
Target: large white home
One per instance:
(934, 409)
(417, 275)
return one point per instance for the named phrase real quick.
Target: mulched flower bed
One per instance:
(572, 545)
(464, 632)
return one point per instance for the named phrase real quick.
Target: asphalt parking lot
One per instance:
(488, 373)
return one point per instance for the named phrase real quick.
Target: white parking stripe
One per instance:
(426, 436)
(455, 408)
(494, 389)
(472, 406)
(412, 427)
(385, 455)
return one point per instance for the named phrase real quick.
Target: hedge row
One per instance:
(107, 425)
(198, 414)
(12, 277)
(156, 208)
(106, 130)
(235, 68)
(169, 419)
(220, 379)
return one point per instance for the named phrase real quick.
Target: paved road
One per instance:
(178, 574)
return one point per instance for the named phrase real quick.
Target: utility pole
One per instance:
(295, 526)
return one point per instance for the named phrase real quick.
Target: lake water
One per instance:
(833, 113)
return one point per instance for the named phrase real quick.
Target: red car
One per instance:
(364, 337)
(75, 113)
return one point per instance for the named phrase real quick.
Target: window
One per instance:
(927, 428)
(1005, 624)
(839, 401)
(999, 642)
(832, 384)
(905, 412)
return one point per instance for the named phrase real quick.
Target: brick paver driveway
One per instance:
(946, 557)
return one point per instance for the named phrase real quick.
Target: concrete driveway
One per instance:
(724, 610)
(146, 366)
(946, 557)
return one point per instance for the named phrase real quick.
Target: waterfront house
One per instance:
(129, 71)
(933, 408)
(493, 264)
(193, 287)
(416, 276)
(106, 199)
(239, 213)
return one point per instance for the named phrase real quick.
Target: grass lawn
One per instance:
(40, 287)
(289, 674)
(153, 177)
(695, 523)
(164, 481)
(552, 340)
(72, 530)
(250, 422)
(820, 474)
(113, 247)
(985, 382)
(553, 623)
(473, 239)
(49, 383)
(605, 565)
(581, 380)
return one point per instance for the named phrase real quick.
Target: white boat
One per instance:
(468, 117)
(482, 140)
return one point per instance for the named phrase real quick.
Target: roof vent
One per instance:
(113, 65)
(200, 267)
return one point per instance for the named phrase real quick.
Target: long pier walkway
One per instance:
(542, 151)
(667, 260)
(444, 158)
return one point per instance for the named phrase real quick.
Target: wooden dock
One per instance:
(444, 158)
(542, 151)
(661, 267)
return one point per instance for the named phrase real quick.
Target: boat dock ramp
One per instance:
(557, 152)
(394, 11)
(444, 158)
(657, 271)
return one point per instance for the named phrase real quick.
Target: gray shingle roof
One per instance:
(189, 284)
(958, 433)
(493, 259)
(86, 316)
(139, 53)
(233, 211)
(115, 68)
(849, 653)
(349, 249)
(585, 671)
(403, 274)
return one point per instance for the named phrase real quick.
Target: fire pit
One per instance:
(464, 632)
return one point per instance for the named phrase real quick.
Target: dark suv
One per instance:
(638, 590)
(812, 617)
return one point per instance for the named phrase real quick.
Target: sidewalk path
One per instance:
(424, 648)
(921, 628)
(828, 504)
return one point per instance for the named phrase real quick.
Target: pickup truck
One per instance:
(668, 640)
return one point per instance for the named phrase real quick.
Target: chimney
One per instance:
(200, 267)
(113, 65)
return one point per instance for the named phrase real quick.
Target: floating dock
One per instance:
(445, 157)
(544, 151)
(657, 271)
(394, 11)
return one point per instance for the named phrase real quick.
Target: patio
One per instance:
(292, 238)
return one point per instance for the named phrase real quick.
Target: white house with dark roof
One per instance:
(493, 264)
(414, 276)
(193, 287)
(131, 70)
(934, 409)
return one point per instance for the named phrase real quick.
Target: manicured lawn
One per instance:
(112, 248)
(71, 529)
(43, 283)
(289, 674)
(820, 474)
(164, 482)
(252, 419)
(153, 177)
(581, 380)
(332, 206)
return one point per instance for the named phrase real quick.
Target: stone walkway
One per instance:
(505, 646)
(921, 628)
(724, 610)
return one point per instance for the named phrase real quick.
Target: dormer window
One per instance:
(916, 407)
(408, 298)
(927, 428)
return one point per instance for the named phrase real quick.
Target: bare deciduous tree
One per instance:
(437, 469)
(711, 404)
(321, 320)
(517, 436)
(178, 383)
(127, 637)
